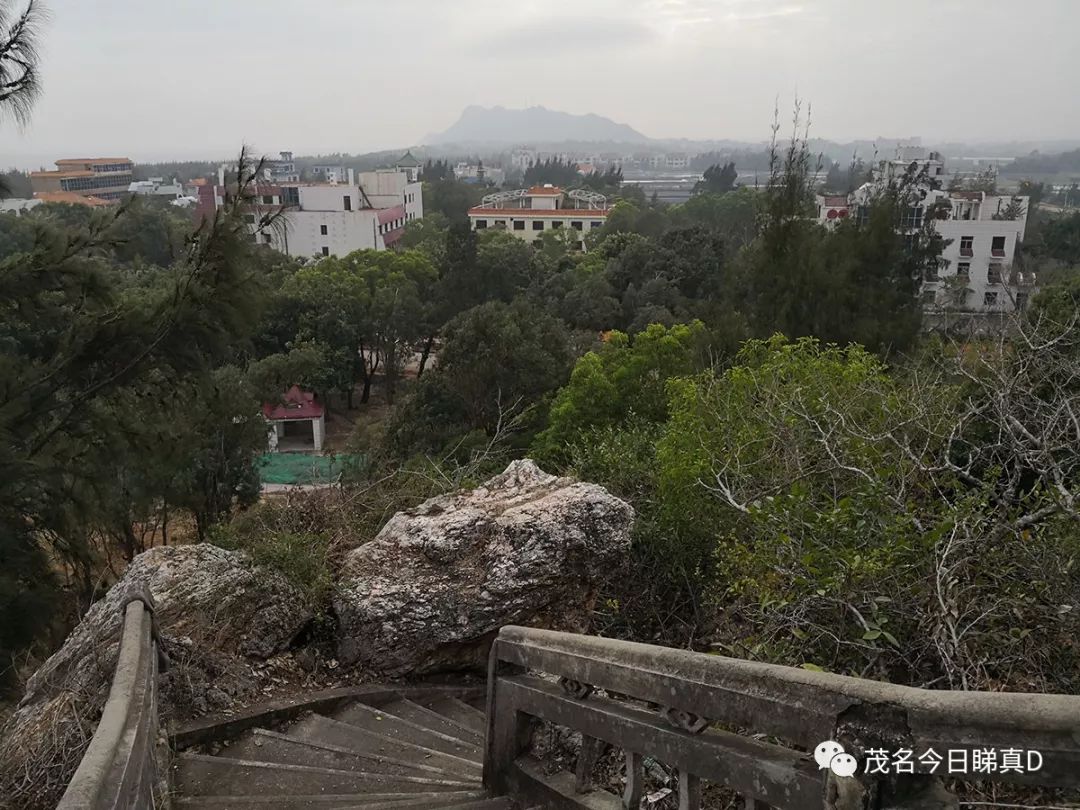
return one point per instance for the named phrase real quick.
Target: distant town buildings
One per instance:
(367, 211)
(329, 174)
(982, 233)
(529, 213)
(479, 174)
(281, 170)
(101, 178)
(410, 166)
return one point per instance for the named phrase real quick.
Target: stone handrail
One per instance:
(703, 708)
(119, 770)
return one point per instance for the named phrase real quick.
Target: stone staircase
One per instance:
(421, 751)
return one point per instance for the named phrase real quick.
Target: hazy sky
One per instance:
(191, 78)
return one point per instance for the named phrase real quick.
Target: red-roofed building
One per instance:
(297, 420)
(529, 213)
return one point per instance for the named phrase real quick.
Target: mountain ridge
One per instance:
(504, 126)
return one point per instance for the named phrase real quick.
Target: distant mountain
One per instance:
(500, 126)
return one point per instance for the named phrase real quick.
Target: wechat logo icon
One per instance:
(830, 754)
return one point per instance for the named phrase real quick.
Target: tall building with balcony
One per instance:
(976, 273)
(101, 178)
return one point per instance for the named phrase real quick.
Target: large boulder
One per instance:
(217, 613)
(437, 583)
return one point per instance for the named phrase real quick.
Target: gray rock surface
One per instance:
(216, 600)
(436, 584)
(216, 612)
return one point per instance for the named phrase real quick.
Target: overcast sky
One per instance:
(155, 79)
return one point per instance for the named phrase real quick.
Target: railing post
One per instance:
(507, 730)
(689, 791)
(635, 778)
(590, 752)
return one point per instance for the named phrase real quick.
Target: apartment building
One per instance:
(529, 213)
(982, 232)
(102, 178)
(367, 212)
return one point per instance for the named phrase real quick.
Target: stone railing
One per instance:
(695, 713)
(119, 770)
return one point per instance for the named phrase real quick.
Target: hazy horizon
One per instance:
(158, 81)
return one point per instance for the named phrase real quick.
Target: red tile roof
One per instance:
(298, 404)
(525, 213)
(390, 214)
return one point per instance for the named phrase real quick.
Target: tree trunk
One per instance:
(428, 344)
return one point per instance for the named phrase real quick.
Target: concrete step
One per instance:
(428, 717)
(384, 723)
(272, 746)
(323, 730)
(460, 712)
(371, 801)
(201, 775)
(484, 804)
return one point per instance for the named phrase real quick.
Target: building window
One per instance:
(322, 230)
(929, 297)
(577, 225)
(325, 251)
(268, 199)
(481, 224)
(990, 299)
(997, 247)
(913, 217)
(347, 199)
(993, 274)
(519, 224)
(556, 223)
(595, 223)
(249, 219)
(266, 239)
(500, 223)
(931, 273)
(967, 245)
(538, 224)
(963, 269)
(1021, 301)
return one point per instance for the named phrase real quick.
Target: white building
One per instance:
(529, 213)
(329, 174)
(976, 272)
(157, 187)
(368, 211)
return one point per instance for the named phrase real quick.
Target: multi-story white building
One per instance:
(529, 213)
(329, 174)
(982, 233)
(368, 211)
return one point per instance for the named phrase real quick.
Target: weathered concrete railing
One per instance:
(795, 710)
(119, 769)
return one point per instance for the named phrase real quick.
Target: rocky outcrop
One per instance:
(432, 589)
(205, 598)
(215, 610)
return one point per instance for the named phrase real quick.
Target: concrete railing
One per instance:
(119, 770)
(696, 713)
